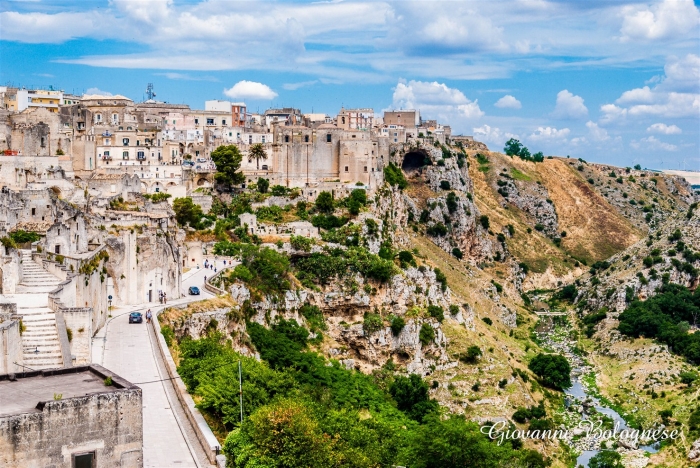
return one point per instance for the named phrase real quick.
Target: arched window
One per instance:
(98, 118)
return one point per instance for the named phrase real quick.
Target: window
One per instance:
(129, 128)
(347, 169)
(125, 155)
(57, 248)
(140, 155)
(115, 118)
(306, 138)
(223, 122)
(125, 141)
(343, 120)
(138, 143)
(286, 138)
(210, 121)
(250, 139)
(196, 121)
(98, 117)
(43, 142)
(83, 460)
(263, 138)
(365, 168)
(33, 211)
(81, 125)
(328, 138)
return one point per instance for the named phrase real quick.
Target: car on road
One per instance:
(135, 317)
(194, 291)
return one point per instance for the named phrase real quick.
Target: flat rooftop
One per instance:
(23, 394)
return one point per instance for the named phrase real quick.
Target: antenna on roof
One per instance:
(149, 92)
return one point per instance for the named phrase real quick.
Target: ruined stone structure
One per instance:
(68, 416)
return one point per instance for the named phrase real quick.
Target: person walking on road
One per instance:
(148, 316)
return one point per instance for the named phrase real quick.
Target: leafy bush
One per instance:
(441, 278)
(445, 184)
(406, 259)
(279, 190)
(472, 355)
(397, 324)
(437, 230)
(394, 176)
(487, 320)
(426, 334)
(436, 312)
(301, 243)
(328, 221)
(372, 323)
(411, 396)
(324, 202)
(484, 221)
(451, 202)
(553, 370)
(263, 185)
(457, 253)
(23, 237)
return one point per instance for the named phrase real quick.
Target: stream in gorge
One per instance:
(582, 403)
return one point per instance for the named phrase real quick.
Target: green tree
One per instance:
(257, 152)
(553, 369)
(283, 434)
(513, 147)
(455, 443)
(394, 176)
(411, 395)
(606, 459)
(263, 185)
(186, 212)
(228, 162)
(324, 202)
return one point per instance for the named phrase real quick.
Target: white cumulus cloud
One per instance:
(98, 92)
(493, 135)
(664, 129)
(665, 20)
(508, 102)
(652, 143)
(676, 94)
(569, 106)
(435, 100)
(549, 134)
(597, 133)
(250, 90)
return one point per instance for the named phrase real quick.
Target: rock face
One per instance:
(628, 277)
(406, 295)
(694, 453)
(531, 198)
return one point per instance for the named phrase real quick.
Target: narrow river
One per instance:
(579, 396)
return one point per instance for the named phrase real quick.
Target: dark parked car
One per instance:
(194, 291)
(135, 317)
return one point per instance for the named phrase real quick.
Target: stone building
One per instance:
(70, 418)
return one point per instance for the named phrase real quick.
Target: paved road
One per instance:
(130, 350)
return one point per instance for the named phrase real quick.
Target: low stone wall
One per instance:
(201, 428)
(213, 289)
(63, 339)
(10, 346)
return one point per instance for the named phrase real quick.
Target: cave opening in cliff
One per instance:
(414, 160)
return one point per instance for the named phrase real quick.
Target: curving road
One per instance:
(130, 350)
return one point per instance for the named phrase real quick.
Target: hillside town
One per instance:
(88, 228)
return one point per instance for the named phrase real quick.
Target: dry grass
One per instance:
(173, 314)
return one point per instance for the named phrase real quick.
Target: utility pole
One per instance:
(240, 389)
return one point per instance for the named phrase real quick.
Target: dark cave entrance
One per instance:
(414, 161)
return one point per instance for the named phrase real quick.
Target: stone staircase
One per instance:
(40, 342)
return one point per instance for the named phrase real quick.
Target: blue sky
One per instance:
(608, 81)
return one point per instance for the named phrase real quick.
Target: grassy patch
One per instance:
(518, 175)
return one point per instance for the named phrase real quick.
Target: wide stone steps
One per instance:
(41, 346)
